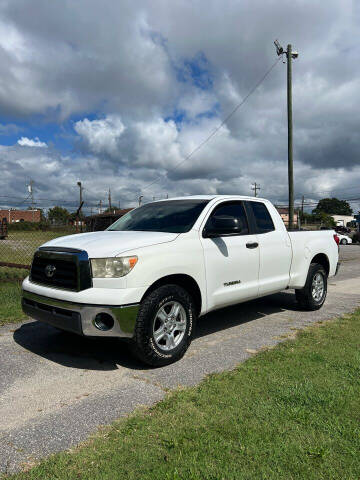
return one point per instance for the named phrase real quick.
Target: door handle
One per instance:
(252, 245)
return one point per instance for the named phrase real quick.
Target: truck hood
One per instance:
(111, 243)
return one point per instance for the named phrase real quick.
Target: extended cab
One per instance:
(152, 273)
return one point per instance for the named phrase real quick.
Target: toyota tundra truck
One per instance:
(151, 274)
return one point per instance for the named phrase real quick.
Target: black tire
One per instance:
(343, 241)
(305, 296)
(144, 345)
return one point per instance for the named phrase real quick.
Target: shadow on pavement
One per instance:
(245, 312)
(75, 351)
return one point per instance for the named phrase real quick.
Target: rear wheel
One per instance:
(343, 241)
(313, 295)
(164, 326)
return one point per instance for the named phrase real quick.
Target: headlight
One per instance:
(112, 267)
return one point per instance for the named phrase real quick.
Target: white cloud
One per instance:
(197, 102)
(29, 142)
(142, 70)
(217, 170)
(101, 136)
(155, 144)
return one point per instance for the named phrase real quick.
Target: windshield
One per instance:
(174, 216)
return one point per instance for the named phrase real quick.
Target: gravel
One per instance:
(57, 389)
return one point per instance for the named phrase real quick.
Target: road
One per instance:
(56, 389)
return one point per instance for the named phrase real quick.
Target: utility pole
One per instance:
(290, 137)
(31, 191)
(255, 187)
(140, 199)
(290, 54)
(109, 197)
(302, 206)
(80, 204)
(80, 192)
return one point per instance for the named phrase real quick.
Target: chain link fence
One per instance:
(18, 246)
(20, 238)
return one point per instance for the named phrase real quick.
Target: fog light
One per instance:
(103, 321)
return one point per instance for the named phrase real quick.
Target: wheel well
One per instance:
(323, 260)
(184, 281)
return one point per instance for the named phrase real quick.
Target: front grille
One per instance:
(65, 269)
(65, 274)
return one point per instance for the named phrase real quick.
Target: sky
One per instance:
(117, 94)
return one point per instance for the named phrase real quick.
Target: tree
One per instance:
(58, 215)
(333, 206)
(322, 218)
(73, 216)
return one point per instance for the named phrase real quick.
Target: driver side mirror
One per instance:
(224, 225)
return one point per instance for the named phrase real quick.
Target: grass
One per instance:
(19, 246)
(10, 304)
(12, 274)
(292, 412)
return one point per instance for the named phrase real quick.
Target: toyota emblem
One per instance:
(50, 270)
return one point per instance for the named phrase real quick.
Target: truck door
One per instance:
(275, 249)
(231, 261)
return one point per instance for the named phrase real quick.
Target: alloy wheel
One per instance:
(169, 325)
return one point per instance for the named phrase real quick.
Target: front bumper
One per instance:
(79, 317)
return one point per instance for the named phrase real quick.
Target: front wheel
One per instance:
(343, 241)
(164, 326)
(313, 295)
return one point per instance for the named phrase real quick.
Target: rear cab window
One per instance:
(261, 216)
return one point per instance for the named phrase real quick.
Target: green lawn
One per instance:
(19, 247)
(10, 306)
(292, 412)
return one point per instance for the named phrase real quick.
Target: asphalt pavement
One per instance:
(56, 389)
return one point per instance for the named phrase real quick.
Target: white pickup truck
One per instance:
(152, 273)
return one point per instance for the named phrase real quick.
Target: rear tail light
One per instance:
(337, 239)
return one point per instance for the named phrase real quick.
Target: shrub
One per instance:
(12, 274)
(27, 226)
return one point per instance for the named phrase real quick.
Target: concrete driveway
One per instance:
(56, 388)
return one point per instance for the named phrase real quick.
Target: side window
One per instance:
(262, 217)
(230, 210)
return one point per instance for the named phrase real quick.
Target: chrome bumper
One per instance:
(78, 317)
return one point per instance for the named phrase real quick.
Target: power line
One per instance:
(23, 201)
(214, 132)
(338, 189)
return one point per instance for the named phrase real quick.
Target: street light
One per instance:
(290, 54)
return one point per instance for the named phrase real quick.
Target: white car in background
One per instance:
(344, 239)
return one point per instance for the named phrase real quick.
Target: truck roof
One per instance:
(212, 197)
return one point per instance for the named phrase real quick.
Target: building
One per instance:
(284, 214)
(343, 220)
(102, 221)
(15, 216)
